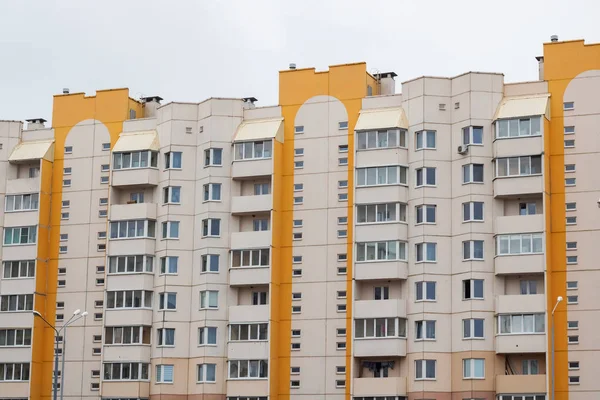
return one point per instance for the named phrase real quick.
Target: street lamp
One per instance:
(77, 315)
(558, 300)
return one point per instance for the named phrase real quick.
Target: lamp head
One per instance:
(37, 313)
(559, 299)
(76, 312)
(83, 314)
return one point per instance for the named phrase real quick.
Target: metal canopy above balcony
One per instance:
(32, 150)
(134, 141)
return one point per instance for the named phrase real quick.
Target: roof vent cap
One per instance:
(554, 38)
(66, 90)
(292, 65)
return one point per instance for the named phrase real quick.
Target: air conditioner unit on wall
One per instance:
(463, 149)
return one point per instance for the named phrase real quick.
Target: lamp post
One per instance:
(77, 315)
(558, 300)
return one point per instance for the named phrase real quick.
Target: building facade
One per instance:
(349, 243)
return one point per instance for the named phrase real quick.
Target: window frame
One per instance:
(363, 143)
(423, 136)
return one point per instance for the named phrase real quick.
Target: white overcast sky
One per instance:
(188, 50)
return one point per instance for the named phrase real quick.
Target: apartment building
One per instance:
(349, 243)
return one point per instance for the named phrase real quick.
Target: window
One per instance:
(569, 130)
(472, 135)
(572, 285)
(425, 369)
(173, 160)
(380, 293)
(572, 299)
(340, 346)
(164, 373)
(68, 149)
(14, 372)
(342, 220)
(253, 150)
(130, 264)
(424, 330)
(425, 291)
(297, 272)
(381, 251)
(342, 184)
(259, 298)
(569, 144)
(569, 167)
(105, 146)
(425, 140)
(518, 166)
(473, 368)
(296, 259)
(473, 328)
(425, 214)
(571, 220)
(298, 200)
(210, 263)
(342, 257)
(519, 244)
(103, 201)
(528, 287)
(125, 371)
(250, 258)
(506, 128)
(104, 167)
(207, 373)
(248, 369)
(127, 335)
(340, 383)
(343, 197)
(259, 189)
(570, 181)
(296, 296)
(299, 151)
(472, 250)
(425, 177)
(341, 308)
(298, 187)
(574, 339)
(129, 299)
(376, 213)
(172, 195)
(573, 365)
(472, 289)
(568, 105)
(22, 202)
(571, 206)
(207, 335)
(67, 203)
(249, 332)
(381, 139)
(63, 249)
(211, 227)
(62, 283)
(295, 346)
(343, 148)
(298, 164)
(135, 159)
(472, 173)
(379, 328)
(530, 367)
(166, 337)
(296, 333)
(473, 211)
(209, 299)
(19, 269)
(20, 235)
(375, 176)
(170, 230)
(95, 373)
(573, 380)
(342, 270)
(341, 294)
(343, 161)
(168, 265)
(132, 229)
(571, 245)
(15, 337)
(294, 370)
(64, 216)
(299, 129)
(521, 323)
(103, 214)
(340, 370)
(213, 157)
(342, 233)
(16, 302)
(527, 208)
(167, 301)
(343, 125)
(426, 252)
(100, 269)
